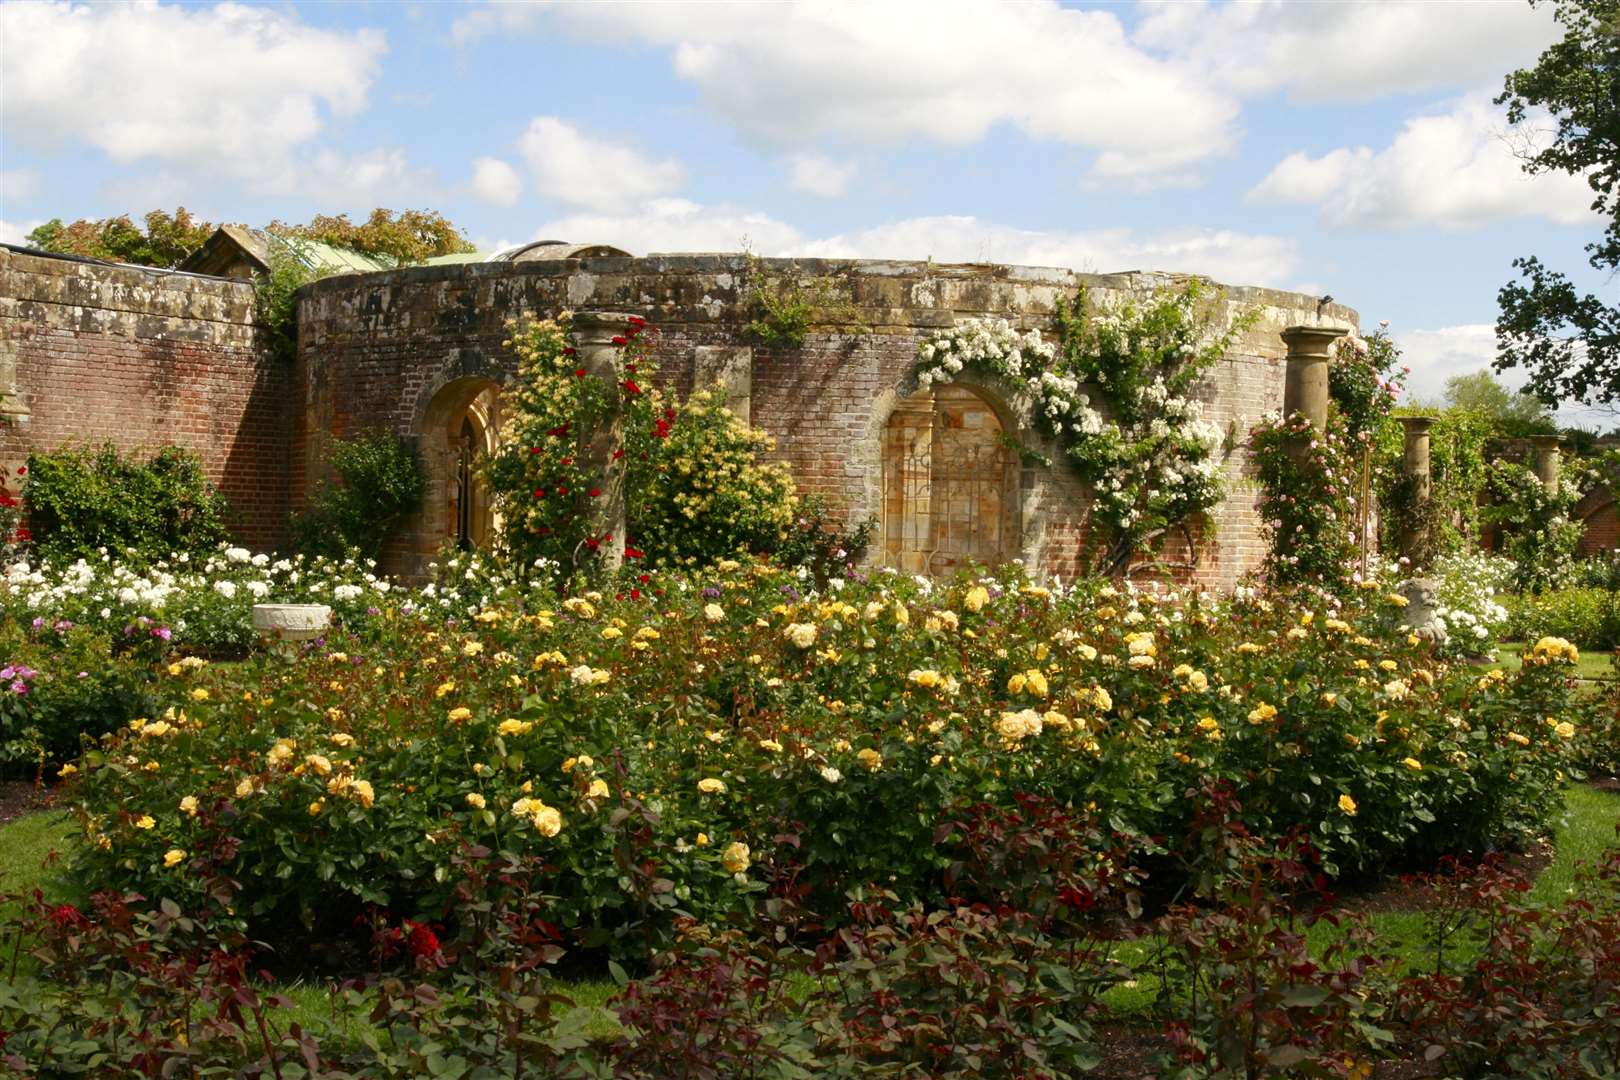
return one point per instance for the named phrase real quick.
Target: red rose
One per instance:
(630, 387)
(619, 339)
(635, 594)
(579, 373)
(539, 493)
(569, 350)
(637, 321)
(631, 553)
(643, 578)
(596, 493)
(562, 491)
(534, 449)
(617, 454)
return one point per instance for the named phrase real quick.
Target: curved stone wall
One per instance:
(385, 349)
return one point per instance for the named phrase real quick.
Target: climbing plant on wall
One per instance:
(1537, 529)
(1115, 391)
(694, 489)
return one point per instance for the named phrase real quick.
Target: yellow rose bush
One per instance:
(739, 729)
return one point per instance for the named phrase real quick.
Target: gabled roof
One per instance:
(236, 251)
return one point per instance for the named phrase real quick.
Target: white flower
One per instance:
(830, 774)
(226, 588)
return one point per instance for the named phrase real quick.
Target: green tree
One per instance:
(166, 240)
(1514, 413)
(1566, 339)
(408, 236)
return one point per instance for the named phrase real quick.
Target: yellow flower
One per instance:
(145, 821)
(611, 632)
(1397, 599)
(977, 597)
(710, 785)
(475, 800)
(244, 787)
(801, 634)
(770, 745)
(735, 857)
(1209, 723)
(713, 612)
(472, 648)
(514, 727)
(1565, 730)
(341, 738)
(1101, 699)
(927, 678)
(1250, 647)
(702, 840)
(363, 793)
(319, 763)
(1515, 737)
(1554, 648)
(316, 807)
(1019, 725)
(188, 805)
(871, 759)
(1388, 665)
(173, 857)
(1262, 712)
(1412, 763)
(67, 770)
(1347, 804)
(200, 694)
(597, 790)
(458, 714)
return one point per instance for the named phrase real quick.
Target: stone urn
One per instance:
(285, 627)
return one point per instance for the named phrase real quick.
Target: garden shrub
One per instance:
(1588, 617)
(61, 684)
(380, 484)
(81, 501)
(675, 726)
(1467, 586)
(694, 488)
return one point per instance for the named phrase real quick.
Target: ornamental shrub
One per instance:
(61, 684)
(380, 484)
(1307, 501)
(650, 743)
(83, 500)
(1589, 617)
(694, 487)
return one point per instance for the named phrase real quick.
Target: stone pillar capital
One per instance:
(1305, 385)
(1312, 341)
(1416, 425)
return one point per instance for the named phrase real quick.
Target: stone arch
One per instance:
(950, 488)
(458, 426)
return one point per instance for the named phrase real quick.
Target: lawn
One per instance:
(1593, 664)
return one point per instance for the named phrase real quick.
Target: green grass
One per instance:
(25, 847)
(1593, 664)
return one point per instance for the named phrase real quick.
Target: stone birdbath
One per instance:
(285, 627)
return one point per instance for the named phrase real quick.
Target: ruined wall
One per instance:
(390, 348)
(95, 352)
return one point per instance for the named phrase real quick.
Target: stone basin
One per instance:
(287, 626)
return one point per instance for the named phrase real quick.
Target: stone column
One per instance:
(12, 407)
(599, 338)
(1415, 465)
(1546, 460)
(1305, 389)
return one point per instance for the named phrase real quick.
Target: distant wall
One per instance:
(389, 348)
(145, 358)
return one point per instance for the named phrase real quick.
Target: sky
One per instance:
(1349, 148)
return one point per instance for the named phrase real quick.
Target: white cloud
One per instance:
(1436, 355)
(676, 225)
(1347, 51)
(882, 74)
(820, 176)
(231, 87)
(582, 170)
(494, 181)
(1455, 169)
(16, 232)
(18, 185)
(363, 181)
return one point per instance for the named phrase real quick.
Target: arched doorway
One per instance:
(458, 428)
(949, 484)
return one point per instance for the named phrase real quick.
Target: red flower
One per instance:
(559, 431)
(636, 321)
(632, 553)
(630, 387)
(596, 493)
(643, 578)
(539, 493)
(579, 373)
(631, 368)
(562, 491)
(22, 470)
(619, 339)
(567, 461)
(617, 454)
(661, 429)
(534, 449)
(7, 500)
(569, 350)
(22, 535)
(593, 543)
(68, 915)
(635, 594)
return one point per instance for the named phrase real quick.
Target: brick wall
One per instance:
(143, 359)
(392, 348)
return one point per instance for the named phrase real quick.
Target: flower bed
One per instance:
(680, 746)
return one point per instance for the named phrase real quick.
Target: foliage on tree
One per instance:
(1512, 413)
(1568, 340)
(409, 236)
(166, 240)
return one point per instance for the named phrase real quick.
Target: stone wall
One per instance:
(400, 349)
(94, 352)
